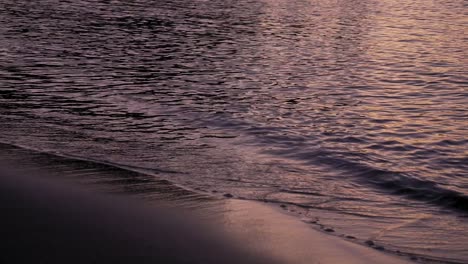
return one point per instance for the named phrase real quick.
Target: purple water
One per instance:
(351, 111)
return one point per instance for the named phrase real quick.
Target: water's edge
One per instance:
(150, 186)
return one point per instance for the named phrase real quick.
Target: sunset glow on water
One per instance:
(351, 111)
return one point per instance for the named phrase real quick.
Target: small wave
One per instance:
(414, 188)
(111, 177)
(395, 183)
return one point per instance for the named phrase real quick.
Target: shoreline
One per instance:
(271, 231)
(66, 222)
(266, 228)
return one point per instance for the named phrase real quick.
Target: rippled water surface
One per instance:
(356, 110)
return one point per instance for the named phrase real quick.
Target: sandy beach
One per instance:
(52, 220)
(283, 237)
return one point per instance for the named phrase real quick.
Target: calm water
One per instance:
(351, 111)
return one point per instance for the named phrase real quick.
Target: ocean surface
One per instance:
(353, 114)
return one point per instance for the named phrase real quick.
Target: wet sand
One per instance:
(59, 224)
(283, 237)
(45, 218)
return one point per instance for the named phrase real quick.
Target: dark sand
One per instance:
(47, 220)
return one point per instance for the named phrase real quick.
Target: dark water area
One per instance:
(354, 111)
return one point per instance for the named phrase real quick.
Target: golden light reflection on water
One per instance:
(398, 63)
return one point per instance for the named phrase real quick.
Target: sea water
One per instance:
(351, 114)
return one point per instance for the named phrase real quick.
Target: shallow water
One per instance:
(351, 109)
